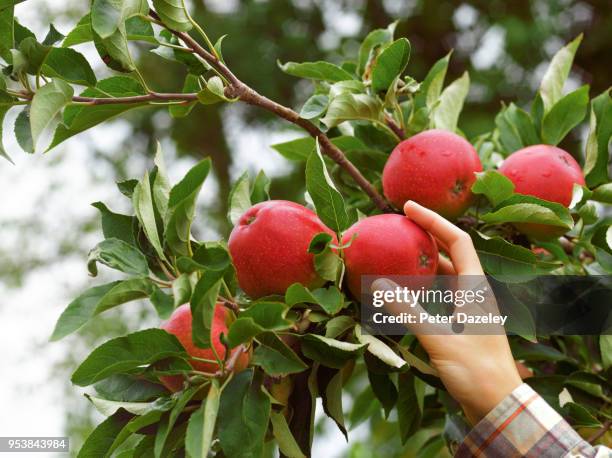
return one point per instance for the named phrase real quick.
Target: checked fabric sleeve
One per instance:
(524, 425)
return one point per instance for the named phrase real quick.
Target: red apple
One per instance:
(179, 324)
(387, 245)
(545, 172)
(434, 168)
(269, 247)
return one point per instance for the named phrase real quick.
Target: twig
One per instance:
(237, 89)
(601, 431)
(150, 97)
(397, 130)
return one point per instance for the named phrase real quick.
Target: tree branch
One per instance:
(600, 432)
(150, 97)
(237, 89)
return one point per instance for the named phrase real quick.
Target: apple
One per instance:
(387, 245)
(179, 324)
(434, 168)
(269, 247)
(545, 172)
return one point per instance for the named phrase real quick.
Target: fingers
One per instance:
(459, 243)
(445, 267)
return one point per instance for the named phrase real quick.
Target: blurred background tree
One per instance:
(504, 45)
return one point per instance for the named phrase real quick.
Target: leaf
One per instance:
(108, 15)
(275, 357)
(493, 185)
(315, 106)
(500, 257)
(605, 347)
(46, 107)
(296, 150)
(173, 14)
(600, 132)
(261, 188)
(214, 92)
(261, 316)
(115, 225)
(190, 85)
(166, 425)
(160, 186)
(286, 442)
(352, 107)
(128, 388)
(432, 85)
(181, 208)
(78, 118)
(142, 200)
(375, 38)
(114, 50)
(23, 130)
(53, 36)
(384, 390)
(327, 199)
(390, 64)
(97, 300)
(101, 439)
(3, 152)
(203, 301)
(181, 290)
(69, 65)
(446, 113)
(603, 193)
(516, 128)
(107, 407)
(7, 38)
(551, 88)
(239, 200)
(199, 436)
(124, 354)
(380, 349)
(338, 326)
(81, 33)
(409, 405)
(527, 209)
(118, 255)
(330, 352)
(244, 412)
(332, 401)
(320, 70)
(564, 115)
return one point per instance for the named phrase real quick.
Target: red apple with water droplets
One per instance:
(269, 247)
(434, 168)
(387, 245)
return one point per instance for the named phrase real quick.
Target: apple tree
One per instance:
(304, 343)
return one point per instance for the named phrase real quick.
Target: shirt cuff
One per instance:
(523, 424)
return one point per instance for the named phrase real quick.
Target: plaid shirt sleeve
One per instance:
(524, 425)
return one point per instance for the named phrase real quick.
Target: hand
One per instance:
(477, 370)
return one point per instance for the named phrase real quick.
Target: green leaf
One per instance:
(181, 290)
(332, 401)
(380, 349)
(34, 54)
(338, 326)
(320, 70)
(97, 300)
(125, 354)
(201, 427)
(78, 118)
(296, 150)
(7, 39)
(166, 425)
(286, 442)
(327, 199)
(390, 64)
(181, 208)
(101, 439)
(203, 301)
(46, 107)
(527, 209)
(275, 357)
(23, 130)
(142, 200)
(69, 65)
(432, 85)
(384, 390)
(214, 92)
(258, 318)
(261, 188)
(118, 255)
(315, 106)
(580, 416)
(409, 405)
(330, 299)
(551, 88)
(493, 185)
(128, 388)
(375, 38)
(173, 14)
(330, 352)
(603, 193)
(190, 85)
(81, 33)
(516, 128)
(353, 107)
(107, 16)
(244, 412)
(114, 50)
(239, 200)
(500, 257)
(115, 225)
(3, 152)
(53, 36)
(446, 113)
(605, 347)
(564, 115)
(160, 187)
(600, 132)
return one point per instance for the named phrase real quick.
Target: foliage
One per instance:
(363, 108)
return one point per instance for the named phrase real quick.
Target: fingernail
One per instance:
(382, 284)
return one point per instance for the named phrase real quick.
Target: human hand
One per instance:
(477, 370)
